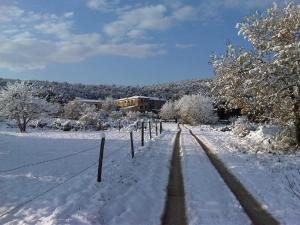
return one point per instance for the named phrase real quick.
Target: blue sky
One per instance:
(116, 41)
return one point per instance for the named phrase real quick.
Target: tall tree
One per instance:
(264, 82)
(275, 35)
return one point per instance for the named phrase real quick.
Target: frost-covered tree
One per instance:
(267, 78)
(18, 101)
(195, 109)
(276, 36)
(232, 86)
(73, 110)
(116, 115)
(109, 104)
(168, 111)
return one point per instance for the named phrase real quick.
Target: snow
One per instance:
(144, 97)
(56, 183)
(208, 199)
(265, 175)
(49, 177)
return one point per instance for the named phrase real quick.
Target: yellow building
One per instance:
(140, 104)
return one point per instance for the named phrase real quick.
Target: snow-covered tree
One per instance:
(275, 35)
(116, 115)
(196, 109)
(109, 104)
(232, 86)
(73, 110)
(265, 82)
(18, 102)
(168, 111)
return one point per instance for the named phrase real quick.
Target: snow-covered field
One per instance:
(272, 179)
(49, 177)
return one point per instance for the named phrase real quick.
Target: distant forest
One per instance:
(64, 92)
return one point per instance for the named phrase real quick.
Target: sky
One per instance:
(116, 41)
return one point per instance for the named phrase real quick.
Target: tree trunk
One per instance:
(22, 126)
(296, 111)
(297, 127)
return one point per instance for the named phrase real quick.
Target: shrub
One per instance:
(196, 109)
(242, 126)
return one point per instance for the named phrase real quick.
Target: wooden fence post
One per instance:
(160, 126)
(101, 157)
(119, 125)
(156, 128)
(132, 146)
(150, 132)
(142, 136)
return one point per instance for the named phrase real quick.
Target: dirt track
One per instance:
(174, 213)
(255, 211)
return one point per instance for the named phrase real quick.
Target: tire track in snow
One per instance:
(174, 213)
(255, 211)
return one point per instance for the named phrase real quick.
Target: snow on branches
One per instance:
(18, 102)
(265, 81)
(192, 109)
(168, 111)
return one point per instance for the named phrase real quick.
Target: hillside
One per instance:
(63, 92)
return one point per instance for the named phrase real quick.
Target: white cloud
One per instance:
(60, 29)
(184, 45)
(33, 41)
(102, 5)
(185, 13)
(135, 22)
(68, 14)
(8, 13)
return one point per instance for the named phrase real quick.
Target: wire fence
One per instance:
(24, 203)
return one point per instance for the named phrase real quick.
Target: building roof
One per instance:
(142, 97)
(94, 101)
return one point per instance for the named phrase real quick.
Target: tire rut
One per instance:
(254, 210)
(174, 213)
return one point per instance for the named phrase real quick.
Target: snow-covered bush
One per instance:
(116, 115)
(196, 109)
(285, 139)
(73, 110)
(242, 126)
(149, 115)
(66, 126)
(89, 119)
(109, 104)
(18, 102)
(103, 115)
(133, 115)
(168, 111)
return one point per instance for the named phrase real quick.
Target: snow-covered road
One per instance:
(208, 199)
(64, 190)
